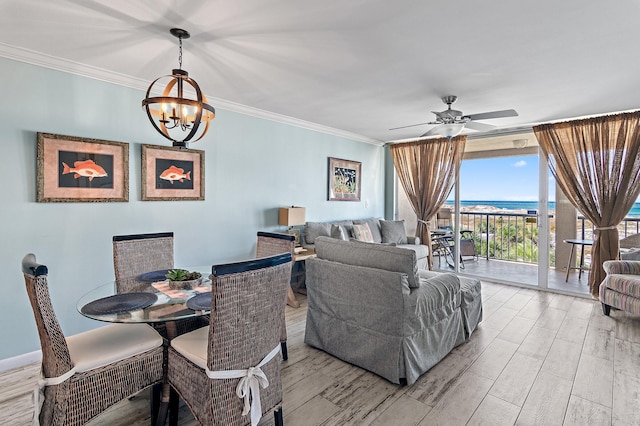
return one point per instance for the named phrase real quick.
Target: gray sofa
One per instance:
(382, 232)
(369, 305)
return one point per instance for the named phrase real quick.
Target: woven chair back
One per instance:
(139, 253)
(247, 312)
(55, 353)
(270, 244)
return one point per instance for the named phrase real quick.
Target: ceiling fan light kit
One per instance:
(175, 115)
(446, 130)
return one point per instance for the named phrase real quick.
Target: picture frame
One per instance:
(172, 173)
(75, 169)
(344, 179)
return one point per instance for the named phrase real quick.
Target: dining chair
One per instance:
(269, 244)
(84, 374)
(136, 254)
(239, 350)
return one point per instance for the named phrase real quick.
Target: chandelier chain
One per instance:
(180, 55)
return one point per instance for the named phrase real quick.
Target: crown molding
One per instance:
(47, 61)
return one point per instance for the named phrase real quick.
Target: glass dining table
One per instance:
(148, 298)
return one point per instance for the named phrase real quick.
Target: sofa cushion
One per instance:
(374, 226)
(630, 254)
(393, 231)
(313, 230)
(362, 232)
(370, 255)
(339, 232)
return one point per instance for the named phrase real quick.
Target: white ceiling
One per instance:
(360, 66)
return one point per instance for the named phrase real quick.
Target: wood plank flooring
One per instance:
(536, 359)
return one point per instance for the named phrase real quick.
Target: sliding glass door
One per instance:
(512, 220)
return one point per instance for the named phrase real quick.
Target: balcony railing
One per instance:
(503, 236)
(628, 226)
(514, 236)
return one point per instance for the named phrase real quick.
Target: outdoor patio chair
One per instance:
(85, 374)
(269, 244)
(467, 245)
(444, 218)
(239, 350)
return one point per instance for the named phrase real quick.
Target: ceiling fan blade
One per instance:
(410, 125)
(481, 127)
(493, 114)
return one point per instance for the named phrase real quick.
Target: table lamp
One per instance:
(292, 216)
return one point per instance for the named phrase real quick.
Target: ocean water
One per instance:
(524, 205)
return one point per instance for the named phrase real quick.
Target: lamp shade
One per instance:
(291, 216)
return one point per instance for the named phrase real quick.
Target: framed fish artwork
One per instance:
(172, 174)
(75, 169)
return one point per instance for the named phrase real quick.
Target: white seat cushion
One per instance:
(193, 346)
(105, 345)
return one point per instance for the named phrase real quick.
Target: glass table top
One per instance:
(143, 300)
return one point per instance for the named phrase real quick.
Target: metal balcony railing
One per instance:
(514, 236)
(503, 236)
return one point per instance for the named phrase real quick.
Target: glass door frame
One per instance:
(542, 222)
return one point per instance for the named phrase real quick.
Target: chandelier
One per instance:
(175, 115)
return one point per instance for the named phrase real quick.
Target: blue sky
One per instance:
(506, 178)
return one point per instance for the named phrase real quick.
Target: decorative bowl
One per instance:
(185, 285)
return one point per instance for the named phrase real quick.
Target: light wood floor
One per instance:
(536, 359)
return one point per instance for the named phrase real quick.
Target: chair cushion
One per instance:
(393, 231)
(623, 283)
(362, 233)
(618, 300)
(193, 346)
(105, 345)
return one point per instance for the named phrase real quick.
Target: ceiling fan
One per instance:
(450, 122)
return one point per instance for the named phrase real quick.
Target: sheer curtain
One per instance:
(595, 161)
(427, 171)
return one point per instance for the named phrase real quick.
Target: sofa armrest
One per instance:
(629, 267)
(413, 240)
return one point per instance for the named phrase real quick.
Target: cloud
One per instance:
(520, 163)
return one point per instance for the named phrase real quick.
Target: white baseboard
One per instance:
(20, 360)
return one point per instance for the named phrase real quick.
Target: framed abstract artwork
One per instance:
(172, 174)
(74, 169)
(344, 180)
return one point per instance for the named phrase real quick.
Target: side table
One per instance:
(580, 268)
(298, 274)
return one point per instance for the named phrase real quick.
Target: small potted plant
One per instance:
(180, 279)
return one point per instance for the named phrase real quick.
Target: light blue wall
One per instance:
(253, 166)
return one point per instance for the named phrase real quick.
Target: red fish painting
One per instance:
(175, 173)
(85, 168)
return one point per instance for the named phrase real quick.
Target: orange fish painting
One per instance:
(85, 168)
(175, 173)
